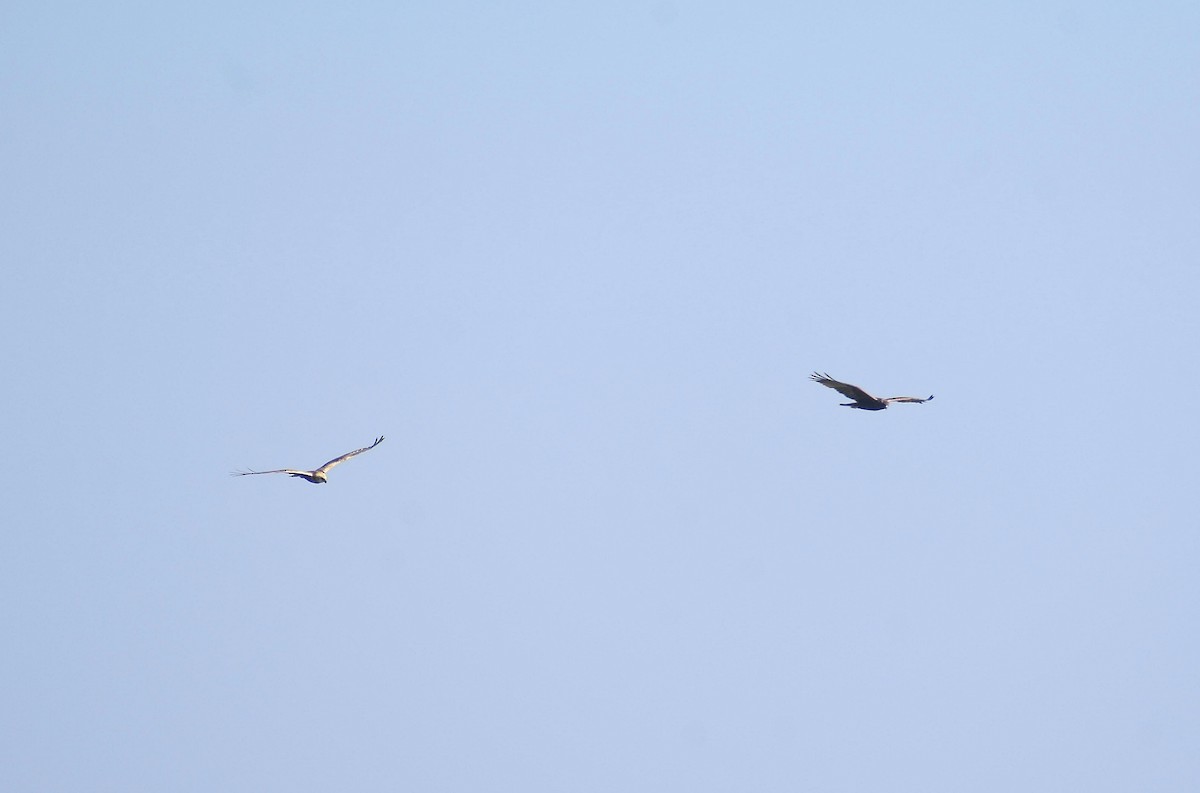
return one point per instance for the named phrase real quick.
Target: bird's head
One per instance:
(320, 478)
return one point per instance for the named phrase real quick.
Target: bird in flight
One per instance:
(862, 400)
(317, 477)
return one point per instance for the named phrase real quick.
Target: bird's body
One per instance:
(318, 475)
(862, 400)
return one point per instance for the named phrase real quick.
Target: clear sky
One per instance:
(576, 261)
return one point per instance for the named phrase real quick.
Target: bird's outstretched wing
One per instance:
(325, 468)
(276, 471)
(918, 400)
(845, 389)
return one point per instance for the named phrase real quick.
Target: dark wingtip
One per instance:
(930, 397)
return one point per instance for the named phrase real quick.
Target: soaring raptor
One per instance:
(317, 477)
(862, 400)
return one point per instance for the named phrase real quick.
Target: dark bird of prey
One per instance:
(317, 477)
(862, 400)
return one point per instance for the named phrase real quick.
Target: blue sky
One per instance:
(576, 262)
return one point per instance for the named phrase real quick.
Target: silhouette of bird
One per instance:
(317, 477)
(862, 400)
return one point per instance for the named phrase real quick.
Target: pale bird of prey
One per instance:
(862, 400)
(317, 477)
